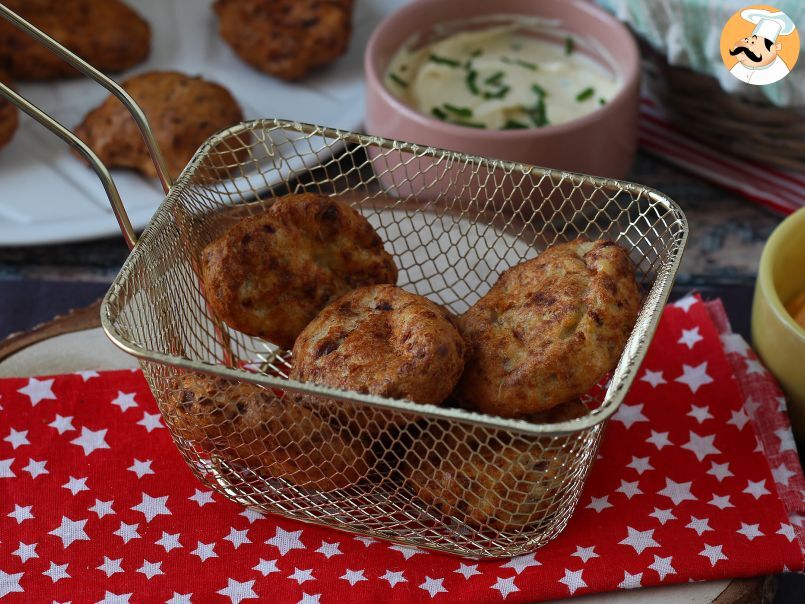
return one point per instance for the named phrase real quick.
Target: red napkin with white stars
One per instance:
(691, 484)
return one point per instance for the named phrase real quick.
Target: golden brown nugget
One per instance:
(487, 480)
(385, 341)
(106, 33)
(9, 117)
(270, 275)
(274, 438)
(183, 112)
(286, 38)
(549, 329)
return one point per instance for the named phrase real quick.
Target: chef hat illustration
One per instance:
(769, 25)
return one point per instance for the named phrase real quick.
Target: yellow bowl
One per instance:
(778, 339)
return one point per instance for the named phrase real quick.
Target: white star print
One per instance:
(662, 566)
(38, 390)
(151, 507)
(309, 598)
(700, 414)
(750, 531)
(630, 489)
(76, 485)
(9, 583)
(639, 540)
(266, 567)
(202, 498)
(151, 421)
(700, 525)
(394, 577)
(573, 580)
(124, 400)
(178, 598)
(301, 575)
(701, 446)
(127, 532)
(520, 563)
(640, 464)
(237, 592)
(677, 491)
(252, 515)
(690, 337)
(738, 419)
(734, 343)
(353, 576)
(599, 503)
(328, 550)
(585, 553)
(631, 581)
(756, 489)
(653, 377)
(35, 468)
(110, 567)
(113, 598)
(694, 377)
(406, 551)
(786, 438)
(720, 470)
(17, 438)
(91, 441)
(169, 541)
(285, 541)
(629, 415)
(781, 406)
(102, 508)
(754, 366)
(5, 468)
(62, 423)
(433, 586)
(505, 586)
(721, 501)
(70, 531)
(786, 530)
(713, 553)
(659, 439)
(467, 570)
(25, 551)
(87, 375)
(663, 515)
(237, 538)
(782, 474)
(205, 551)
(56, 572)
(21, 513)
(367, 541)
(150, 569)
(685, 303)
(141, 468)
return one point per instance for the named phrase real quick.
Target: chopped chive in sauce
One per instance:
(498, 94)
(476, 53)
(585, 94)
(602, 101)
(537, 113)
(438, 113)
(494, 78)
(539, 90)
(514, 125)
(472, 76)
(398, 80)
(520, 62)
(570, 45)
(460, 111)
(445, 61)
(471, 124)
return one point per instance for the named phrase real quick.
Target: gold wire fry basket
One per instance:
(435, 477)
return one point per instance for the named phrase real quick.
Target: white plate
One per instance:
(48, 196)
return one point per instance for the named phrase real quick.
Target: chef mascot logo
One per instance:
(760, 45)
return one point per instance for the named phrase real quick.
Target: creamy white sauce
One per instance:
(500, 77)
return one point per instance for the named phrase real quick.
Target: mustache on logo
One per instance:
(743, 49)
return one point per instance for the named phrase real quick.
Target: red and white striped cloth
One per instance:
(775, 188)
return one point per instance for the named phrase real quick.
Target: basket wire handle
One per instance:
(64, 133)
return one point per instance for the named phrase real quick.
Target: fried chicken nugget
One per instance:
(549, 329)
(286, 38)
(487, 480)
(107, 34)
(385, 341)
(272, 437)
(270, 275)
(9, 117)
(183, 112)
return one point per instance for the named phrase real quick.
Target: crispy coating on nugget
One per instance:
(272, 437)
(183, 112)
(487, 479)
(107, 34)
(286, 38)
(549, 329)
(270, 275)
(9, 117)
(385, 341)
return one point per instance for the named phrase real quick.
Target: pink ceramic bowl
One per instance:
(601, 143)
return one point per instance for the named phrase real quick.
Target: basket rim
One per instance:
(623, 375)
